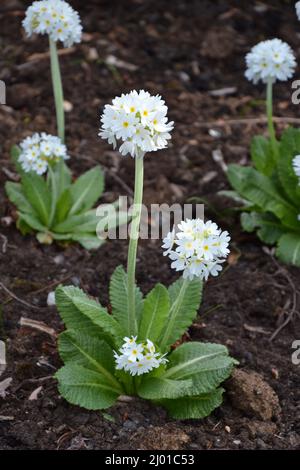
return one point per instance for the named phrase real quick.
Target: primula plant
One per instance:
(269, 190)
(58, 20)
(47, 200)
(128, 349)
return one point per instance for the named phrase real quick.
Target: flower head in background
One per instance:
(138, 358)
(39, 150)
(198, 248)
(297, 6)
(55, 18)
(138, 121)
(270, 60)
(296, 165)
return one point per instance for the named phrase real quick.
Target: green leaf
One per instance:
(81, 313)
(289, 148)
(118, 292)
(63, 176)
(80, 223)
(288, 249)
(88, 240)
(23, 227)
(193, 407)
(17, 197)
(156, 388)
(262, 191)
(269, 229)
(63, 206)
(87, 190)
(87, 351)
(15, 153)
(234, 195)
(52, 182)
(76, 223)
(38, 194)
(155, 313)
(86, 388)
(32, 221)
(185, 299)
(207, 364)
(261, 154)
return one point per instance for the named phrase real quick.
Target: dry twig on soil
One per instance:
(294, 301)
(23, 302)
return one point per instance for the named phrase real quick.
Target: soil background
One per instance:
(185, 51)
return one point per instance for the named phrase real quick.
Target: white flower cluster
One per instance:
(138, 358)
(55, 18)
(39, 150)
(296, 164)
(139, 120)
(298, 9)
(270, 60)
(197, 249)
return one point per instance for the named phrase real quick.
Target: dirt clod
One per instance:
(249, 392)
(162, 438)
(261, 428)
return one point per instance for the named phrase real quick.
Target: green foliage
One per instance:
(84, 387)
(58, 209)
(188, 385)
(155, 313)
(272, 194)
(118, 290)
(185, 300)
(86, 315)
(194, 407)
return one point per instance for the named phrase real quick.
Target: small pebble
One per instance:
(51, 299)
(214, 133)
(75, 281)
(129, 425)
(237, 443)
(59, 259)
(68, 107)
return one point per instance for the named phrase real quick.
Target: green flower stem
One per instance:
(133, 243)
(173, 314)
(52, 182)
(57, 89)
(270, 118)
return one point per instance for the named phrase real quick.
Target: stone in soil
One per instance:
(249, 392)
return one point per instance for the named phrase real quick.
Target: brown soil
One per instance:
(183, 50)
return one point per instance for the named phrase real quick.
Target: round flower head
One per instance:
(138, 358)
(55, 18)
(40, 150)
(270, 60)
(137, 122)
(296, 166)
(298, 9)
(198, 248)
